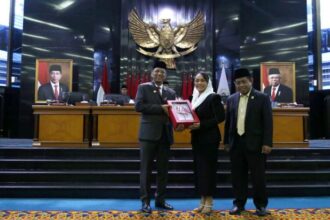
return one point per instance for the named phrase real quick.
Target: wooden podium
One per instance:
(290, 127)
(117, 126)
(61, 126)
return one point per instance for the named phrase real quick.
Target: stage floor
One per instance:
(11, 142)
(84, 204)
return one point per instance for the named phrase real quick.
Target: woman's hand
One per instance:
(194, 126)
(180, 127)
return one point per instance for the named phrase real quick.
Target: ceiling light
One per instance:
(64, 5)
(46, 23)
(36, 36)
(283, 27)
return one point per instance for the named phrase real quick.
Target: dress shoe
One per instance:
(201, 205)
(236, 210)
(163, 205)
(262, 211)
(207, 209)
(145, 207)
(199, 208)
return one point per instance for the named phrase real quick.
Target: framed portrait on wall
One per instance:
(278, 80)
(53, 79)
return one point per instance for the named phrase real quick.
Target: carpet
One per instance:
(276, 214)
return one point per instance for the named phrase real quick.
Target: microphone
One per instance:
(66, 97)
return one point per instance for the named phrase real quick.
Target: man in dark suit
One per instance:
(155, 135)
(124, 93)
(53, 90)
(277, 91)
(248, 138)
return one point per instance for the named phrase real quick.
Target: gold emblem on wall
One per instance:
(165, 42)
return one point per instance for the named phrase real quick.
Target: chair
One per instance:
(72, 98)
(117, 99)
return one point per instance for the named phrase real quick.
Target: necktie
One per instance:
(273, 93)
(241, 114)
(56, 92)
(159, 89)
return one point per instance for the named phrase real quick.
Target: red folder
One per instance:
(181, 112)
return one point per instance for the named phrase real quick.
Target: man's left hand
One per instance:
(266, 149)
(194, 126)
(180, 127)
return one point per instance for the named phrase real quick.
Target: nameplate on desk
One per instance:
(36, 144)
(58, 104)
(287, 105)
(95, 144)
(107, 104)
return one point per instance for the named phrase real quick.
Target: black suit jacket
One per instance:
(284, 93)
(46, 91)
(258, 121)
(210, 114)
(149, 102)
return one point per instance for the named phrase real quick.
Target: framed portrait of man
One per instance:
(53, 79)
(278, 80)
(181, 113)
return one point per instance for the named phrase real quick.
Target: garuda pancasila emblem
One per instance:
(166, 43)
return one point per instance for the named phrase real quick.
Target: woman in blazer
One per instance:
(205, 139)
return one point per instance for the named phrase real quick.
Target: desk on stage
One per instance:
(117, 126)
(290, 127)
(61, 126)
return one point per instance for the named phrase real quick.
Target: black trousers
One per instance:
(242, 162)
(148, 152)
(205, 168)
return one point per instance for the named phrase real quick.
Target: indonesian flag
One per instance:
(129, 84)
(43, 76)
(189, 86)
(104, 86)
(144, 78)
(133, 82)
(184, 87)
(137, 83)
(265, 82)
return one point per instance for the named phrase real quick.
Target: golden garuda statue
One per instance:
(166, 43)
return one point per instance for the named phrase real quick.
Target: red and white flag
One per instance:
(43, 76)
(129, 84)
(189, 86)
(184, 87)
(104, 86)
(265, 81)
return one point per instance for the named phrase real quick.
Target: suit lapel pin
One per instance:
(155, 91)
